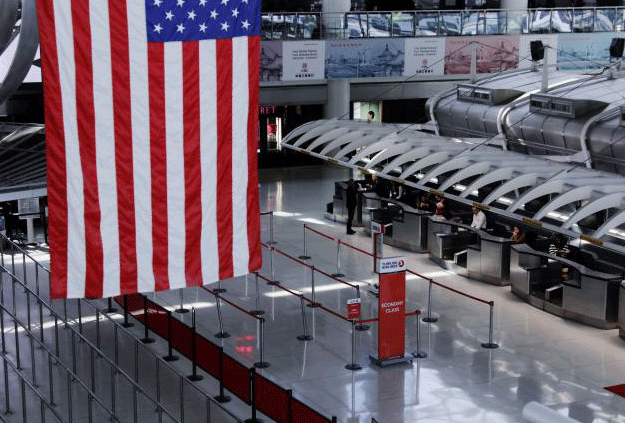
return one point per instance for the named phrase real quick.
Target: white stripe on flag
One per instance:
(208, 157)
(240, 104)
(105, 144)
(140, 117)
(76, 260)
(175, 163)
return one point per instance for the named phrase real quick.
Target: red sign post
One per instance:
(391, 312)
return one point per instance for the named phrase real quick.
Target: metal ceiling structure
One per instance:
(560, 197)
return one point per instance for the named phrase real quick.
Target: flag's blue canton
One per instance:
(188, 20)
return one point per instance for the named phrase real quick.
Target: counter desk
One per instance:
(577, 292)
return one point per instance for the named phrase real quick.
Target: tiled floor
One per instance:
(560, 363)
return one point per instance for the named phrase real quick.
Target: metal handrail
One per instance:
(53, 313)
(128, 332)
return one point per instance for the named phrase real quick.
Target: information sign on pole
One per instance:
(353, 308)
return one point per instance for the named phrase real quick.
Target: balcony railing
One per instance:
(301, 26)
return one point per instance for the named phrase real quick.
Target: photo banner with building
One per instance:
(271, 61)
(584, 51)
(425, 56)
(303, 60)
(365, 58)
(494, 54)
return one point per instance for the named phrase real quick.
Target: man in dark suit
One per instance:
(351, 200)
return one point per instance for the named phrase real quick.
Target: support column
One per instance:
(338, 99)
(333, 11)
(513, 4)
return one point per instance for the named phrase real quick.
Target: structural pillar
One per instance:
(513, 4)
(337, 106)
(333, 14)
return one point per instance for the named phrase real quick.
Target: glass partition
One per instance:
(540, 21)
(561, 20)
(450, 23)
(426, 24)
(583, 20)
(356, 25)
(403, 24)
(517, 21)
(604, 20)
(379, 24)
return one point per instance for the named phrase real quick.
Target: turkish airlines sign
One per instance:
(391, 264)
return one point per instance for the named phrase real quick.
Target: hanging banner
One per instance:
(494, 54)
(425, 56)
(271, 61)
(364, 58)
(303, 60)
(391, 316)
(584, 51)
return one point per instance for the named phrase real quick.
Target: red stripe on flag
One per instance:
(86, 136)
(192, 164)
(55, 150)
(224, 157)
(158, 159)
(120, 59)
(253, 208)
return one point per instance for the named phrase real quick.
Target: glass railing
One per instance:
(302, 26)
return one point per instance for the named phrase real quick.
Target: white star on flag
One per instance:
(202, 2)
(192, 15)
(169, 16)
(202, 27)
(158, 28)
(157, 3)
(235, 12)
(180, 28)
(245, 24)
(225, 2)
(225, 26)
(180, 3)
(214, 14)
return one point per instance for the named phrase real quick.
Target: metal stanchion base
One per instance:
(261, 364)
(305, 337)
(147, 340)
(490, 345)
(338, 275)
(419, 354)
(383, 363)
(195, 378)
(221, 335)
(253, 421)
(257, 312)
(304, 257)
(170, 358)
(222, 399)
(127, 325)
(220, 290)
(362, 327)
(181, 310)
(313, 305)
(429, 319)
(353, 367)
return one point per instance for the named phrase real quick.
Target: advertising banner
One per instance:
(391, 316)
(494, 54)
(584, 51)
(364, 58)
(303, 60)
(271, 60)
(425, 56)
(525, 55)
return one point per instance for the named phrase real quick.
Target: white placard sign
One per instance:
(376, 227)
(303, 60)
(424, 56)
(391, 264)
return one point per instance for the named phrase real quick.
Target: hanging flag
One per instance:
(151, 136)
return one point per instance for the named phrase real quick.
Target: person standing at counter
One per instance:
(559, 246)
(351, 195)
(517, 237)
(479, 219)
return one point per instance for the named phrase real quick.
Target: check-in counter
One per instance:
(447, 239)
(585, 295)
(408, 228)
(489, 259)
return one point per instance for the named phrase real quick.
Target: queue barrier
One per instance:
(240, 380)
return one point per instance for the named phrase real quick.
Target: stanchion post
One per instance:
(194, 377)
(271, 239)
(126, 323)
(170, 356)
(222, 397)
(305, 336)
(305, 256)
(219, 289)
(360, 326)
(338, 273)
(254, 419)
(353, 366)
(146, 325)
(273, 270)
(490, 344)
(109, 308)
(262, 364)
(419, 353)
(257, 311)
(429, 318)
(221, 333)
(181, 309)
(314, 302)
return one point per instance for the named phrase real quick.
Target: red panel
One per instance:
(157, 319)
(304, 414)
(617, 389)
(181, 337)
(236, 378)
(271, 399)
(134, 302)
(207, 356)
(391, 315)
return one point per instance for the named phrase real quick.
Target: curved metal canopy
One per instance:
(556, 195)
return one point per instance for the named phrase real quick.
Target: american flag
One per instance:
(151, 131)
